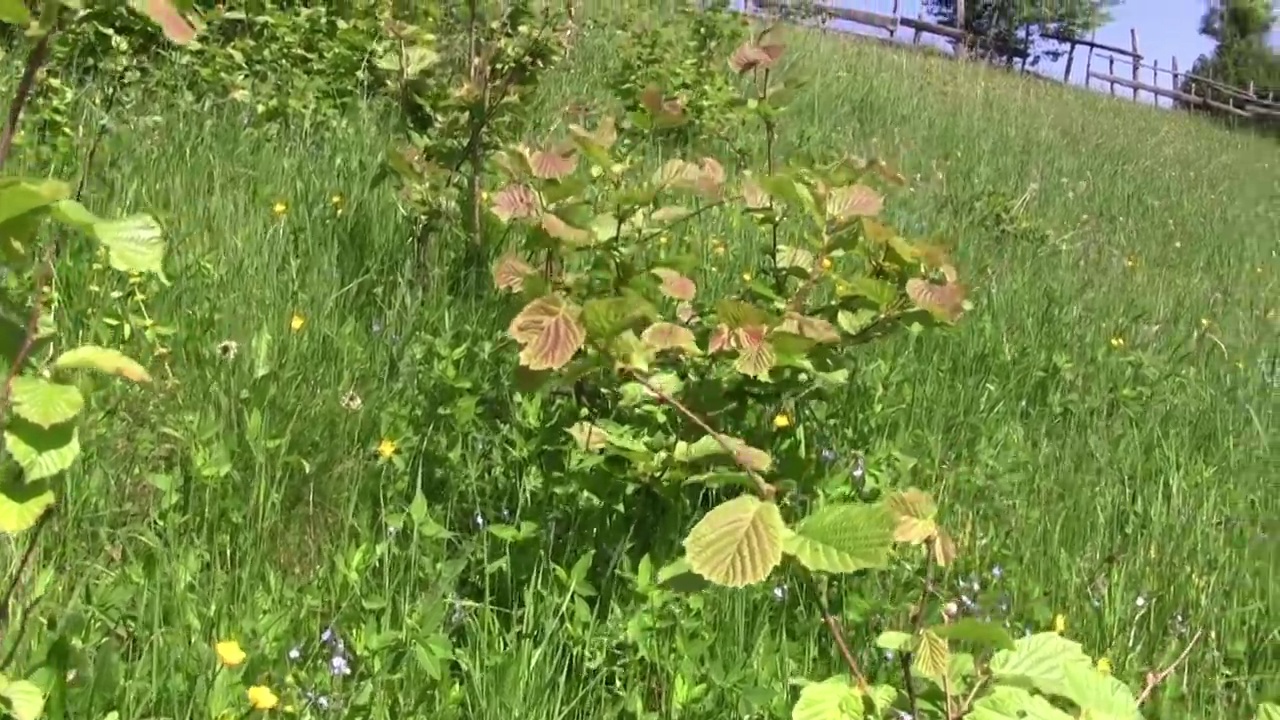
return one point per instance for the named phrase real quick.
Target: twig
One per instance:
(837, 633)
(27, 554)
(31, 334)
(35, 59)
(767, 490)
(917, 623)
(1154, 679)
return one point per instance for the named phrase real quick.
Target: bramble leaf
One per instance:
(737, 543)
(843, 538)
(549, 331)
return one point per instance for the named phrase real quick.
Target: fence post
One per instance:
(1176, 85)
(1155, 78)
(963, 41)
(1137, 58)
(1071, 56)
(915, 39)
(1088, 60)
(893, 31)
(1111, 70)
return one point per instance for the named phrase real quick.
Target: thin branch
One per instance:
(1154, 679)
(35, 59)
(766, 489)
(917, 623)
(43, 276)
(837, 633)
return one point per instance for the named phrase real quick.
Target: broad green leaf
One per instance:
(22, 699)
(1040, 660)
(832, 699)
(973, 630)
(843, 538)
(107, 360)
(73, 213)
(134, 244)
(1102, 695)
(41, 452)
(14, 12)
(1268, 711)
(1006, 702)
(679, 577)
(22, 504)
(19, 197)
(738, 543)
(45, 403)
(931, 656)
(895, 640)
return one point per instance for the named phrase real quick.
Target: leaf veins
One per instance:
(509, 272)
(549, 332)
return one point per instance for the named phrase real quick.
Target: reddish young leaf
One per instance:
(171, 22)
(552, 164)
(516, 202)
(509, 272)
(675, 285)
(751, 56)
(853, 201)
(549, 331)
(561, 230)
(721, 339)
(669, 336)
(943, 300)
(686, 314)
(753, 195)
(815, 329)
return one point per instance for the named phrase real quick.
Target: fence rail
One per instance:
(1241, 102)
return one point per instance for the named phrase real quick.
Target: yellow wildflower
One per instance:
(1059, 623)
(1117, 342)
(280, 208)
(1104, 666)
(1205, 323)
(781, 420)
(746, 277)
(296, 323)
(1131, 261)
(826, 263)
(719, 248)
(261, 697)
(336, 200)
(229, 653)
(386, 448)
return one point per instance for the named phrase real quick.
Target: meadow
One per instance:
(335, 468)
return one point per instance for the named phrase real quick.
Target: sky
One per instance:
(1166, 29)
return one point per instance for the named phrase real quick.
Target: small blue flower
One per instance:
(780, 592)
(328, 635)
(295, 653)
(997, 572)
(829, 455)
(338, 666)
(478, 521)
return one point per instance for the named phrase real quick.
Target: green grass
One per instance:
(1125, 487)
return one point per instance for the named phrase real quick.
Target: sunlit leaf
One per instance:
(102, 359)
(844, 203)
(589, 437)
(171, 22)
(1041, 661)
(843, 538)
(835, 698)
(942, 300)
(914, 512)
(987, 634)
(510, 271)
(676, 285)
(41, 452)
(737, 543)
(552, 165)
(516, 202)
(23, 699)
(556, 227)
(756, 356)
(814, 328)
(14, 12)
(45, 403)
(669, 336)
(931, 656)
(549, 332)
(22, 503)
(1008, 702)
(134, 244)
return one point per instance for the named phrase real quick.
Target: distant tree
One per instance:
(1012, 27)
(1243, 57)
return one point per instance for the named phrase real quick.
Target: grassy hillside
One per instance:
(1098, 429)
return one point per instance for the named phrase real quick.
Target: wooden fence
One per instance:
(1242, 102)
